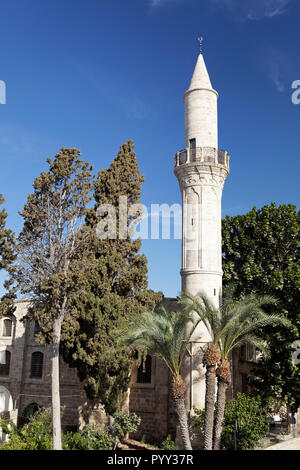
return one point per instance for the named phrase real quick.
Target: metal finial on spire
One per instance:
(201, 43)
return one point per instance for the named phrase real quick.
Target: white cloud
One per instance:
(159, 3)
(276, 7)
(276, 66)
(241, 9)
(253, 9)
(276, 78)
(155, 3)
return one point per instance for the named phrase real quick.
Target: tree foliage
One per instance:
(234, 323)
(250, 417)
(261, 254)
(165, 335)
(35, 435)
(114, 288)
(51, 236)
(7, 254)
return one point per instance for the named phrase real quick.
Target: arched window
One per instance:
(6, 403)
(144, 371)
(4, 368)
(37, 365)
(30, 410)
(7, 327)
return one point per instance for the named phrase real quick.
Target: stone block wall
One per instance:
(153, 403)
(26, 390)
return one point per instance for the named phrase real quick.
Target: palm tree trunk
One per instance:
(56, 418)
(221, 400)
(210, 394)
(183, 422)
(178, 390)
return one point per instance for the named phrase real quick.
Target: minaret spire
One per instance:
(200, 78)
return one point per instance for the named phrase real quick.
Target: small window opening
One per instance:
(192, 143)
(144, 371)
(7, 327)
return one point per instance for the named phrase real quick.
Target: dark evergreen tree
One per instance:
(7, 256)
(113, 289)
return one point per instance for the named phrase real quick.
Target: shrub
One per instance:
(90, 438)
(198, 419)
(168, 444)
(37, 433)
(251, 421)
(124, 423)
(33, 436)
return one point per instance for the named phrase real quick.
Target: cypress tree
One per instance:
(7, 256)
(113, 289)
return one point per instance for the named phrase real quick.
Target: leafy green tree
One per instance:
(261, 253)
(113, 288)
(163, 334)
(51, 239)
(250, 416)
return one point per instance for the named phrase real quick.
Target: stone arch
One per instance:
(6, 404)
(6, 401)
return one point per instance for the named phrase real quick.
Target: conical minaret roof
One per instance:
(200, 78)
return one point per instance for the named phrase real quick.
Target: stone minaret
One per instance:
(201, 170)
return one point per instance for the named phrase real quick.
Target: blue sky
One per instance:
(92, 74)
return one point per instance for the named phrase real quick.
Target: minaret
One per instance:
(201, 170)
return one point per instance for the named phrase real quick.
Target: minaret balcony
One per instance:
(204, 155)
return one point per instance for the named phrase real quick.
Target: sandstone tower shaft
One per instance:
(201, 169)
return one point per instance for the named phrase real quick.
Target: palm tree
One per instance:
(209, 315)
(232, 325)
(241, 320)
(163, 334)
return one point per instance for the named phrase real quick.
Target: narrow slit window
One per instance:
(37, 365)
(4, 368)
(192, 143)
(144, 371)
(37, 328)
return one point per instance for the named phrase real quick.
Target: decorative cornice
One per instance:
(201, 89)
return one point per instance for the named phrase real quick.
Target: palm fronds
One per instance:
(162, 333)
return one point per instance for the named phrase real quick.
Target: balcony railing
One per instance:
(202, 155)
